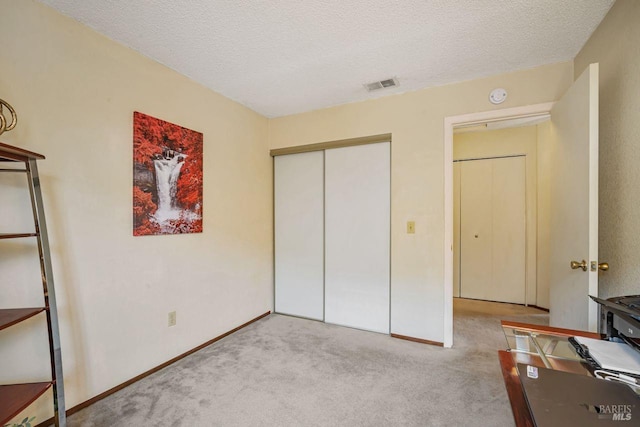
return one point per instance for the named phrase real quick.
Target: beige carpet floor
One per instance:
(285, 371)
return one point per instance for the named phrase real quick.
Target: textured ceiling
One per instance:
(280, 57)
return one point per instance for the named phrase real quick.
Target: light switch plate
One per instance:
(411, 227)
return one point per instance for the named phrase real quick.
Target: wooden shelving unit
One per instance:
(14, 398)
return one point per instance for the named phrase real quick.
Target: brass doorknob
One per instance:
(576, 265)
(602, 266)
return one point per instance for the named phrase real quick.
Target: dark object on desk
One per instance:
(622, 316)
(583, 352)
(557, 398)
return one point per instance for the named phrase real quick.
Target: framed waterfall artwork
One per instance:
(167, 177)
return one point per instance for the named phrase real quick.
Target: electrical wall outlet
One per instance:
(411, 227)
(172, 318)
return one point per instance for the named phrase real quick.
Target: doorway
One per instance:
(573, 230)
(469, 121)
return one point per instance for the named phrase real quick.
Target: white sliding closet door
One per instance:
(357, 227)
(493, 229)
(509, 229)
(299, 234)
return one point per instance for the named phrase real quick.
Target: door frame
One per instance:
(449, 124)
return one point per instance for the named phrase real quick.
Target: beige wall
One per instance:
(615, 46)
(415, 121)
(509, 142)
(75, 92)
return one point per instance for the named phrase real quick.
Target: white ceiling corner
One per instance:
(282, 57)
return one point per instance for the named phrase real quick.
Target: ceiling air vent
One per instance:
(381, 84)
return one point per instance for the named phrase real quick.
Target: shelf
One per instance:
(16, 397)
(17, 154)
(11, 316)
(16, 235)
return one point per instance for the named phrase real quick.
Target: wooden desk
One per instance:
(509, 360)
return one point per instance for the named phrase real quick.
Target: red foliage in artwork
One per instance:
(167, 177)
(142, 205)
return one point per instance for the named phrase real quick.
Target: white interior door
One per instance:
(357, 236)
(299, 234)
(574, 205)
(493, 229)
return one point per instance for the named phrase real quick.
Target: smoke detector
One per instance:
(497, 96)
(392, 82)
